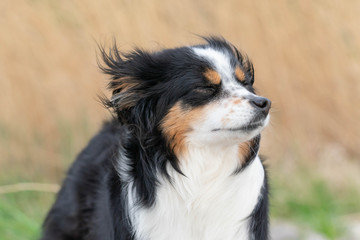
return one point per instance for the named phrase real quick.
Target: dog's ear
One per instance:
(131, 76)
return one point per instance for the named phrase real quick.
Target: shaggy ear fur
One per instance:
(130, 78)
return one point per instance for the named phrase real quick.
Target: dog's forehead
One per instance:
(221, 61)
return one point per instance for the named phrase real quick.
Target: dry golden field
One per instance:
(306, 56)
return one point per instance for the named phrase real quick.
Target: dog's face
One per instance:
(200, 95)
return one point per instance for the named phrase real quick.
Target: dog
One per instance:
(180, 158)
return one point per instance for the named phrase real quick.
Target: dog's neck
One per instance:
(205, 167)
(209, 201)
(218, 159)
(209, 162)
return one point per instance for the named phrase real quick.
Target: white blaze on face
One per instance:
(232, 111)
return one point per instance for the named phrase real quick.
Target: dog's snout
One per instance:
(260, 103)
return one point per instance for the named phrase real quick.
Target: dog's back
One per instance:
(84, 208)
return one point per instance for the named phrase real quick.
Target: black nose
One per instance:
(260, 103)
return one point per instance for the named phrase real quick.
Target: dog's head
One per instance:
(198, 95)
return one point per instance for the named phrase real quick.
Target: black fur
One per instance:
(91, 202)
(259, 223)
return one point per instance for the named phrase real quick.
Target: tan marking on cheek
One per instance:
(212, 76)
(240, 75)
(177, 123)
(244, 151)
(248, 150)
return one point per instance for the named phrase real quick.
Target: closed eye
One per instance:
(245, 82)
(205, 90)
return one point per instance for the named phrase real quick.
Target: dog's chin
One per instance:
(241, 133)
(252, 126)
(228, 135)
(246, 132)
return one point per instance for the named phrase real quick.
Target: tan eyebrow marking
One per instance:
(240, 75)
(212, 76)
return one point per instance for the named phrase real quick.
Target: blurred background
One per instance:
(307, 61)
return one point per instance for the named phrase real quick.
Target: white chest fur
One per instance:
(208, 203)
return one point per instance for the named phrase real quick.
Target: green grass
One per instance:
(314, 205)
(22, 213)
(311, 204)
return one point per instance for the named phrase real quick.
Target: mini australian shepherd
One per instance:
(180, 161)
